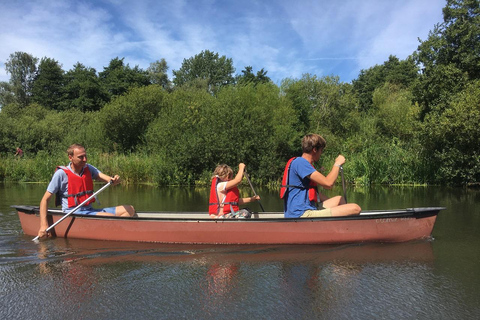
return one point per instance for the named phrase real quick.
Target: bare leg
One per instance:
(125, 211)
(340, 208)
(333, 202)
(349, 209)
(101, 213)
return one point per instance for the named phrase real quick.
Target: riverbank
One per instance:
(151, 170)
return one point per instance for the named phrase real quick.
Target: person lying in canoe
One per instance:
(73, 184)
(300, 181)
(224, 194)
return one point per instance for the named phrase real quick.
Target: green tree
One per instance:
(450, 62)
(33, 128)
(249, 77)
(22, 67)
(216, 71)
(321, 105)
(48, 84)
(250, 124)
(461, 30)
(6, 94)
(450, 57)
(8, 126)
(398, 116)
(157, 71)
(400, 72)
(83, 90)
(452, 139)
(117, 78)
(300, 93)
(125, 119)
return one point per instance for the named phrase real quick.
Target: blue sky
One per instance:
(287, 38)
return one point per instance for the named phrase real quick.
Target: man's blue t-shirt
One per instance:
(59, 183)
(296, 200)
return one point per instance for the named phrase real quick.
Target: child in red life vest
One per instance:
(224, 194)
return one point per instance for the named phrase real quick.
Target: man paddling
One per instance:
(300, 180)
(73, 184)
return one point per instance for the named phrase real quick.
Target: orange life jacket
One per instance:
(312, 188)
(79, 187)
(230, 203)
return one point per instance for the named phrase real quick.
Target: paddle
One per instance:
(76, 208)
(343, 185)
(251, 186)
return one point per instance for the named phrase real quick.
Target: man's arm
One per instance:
(43, 214)
(106, 178)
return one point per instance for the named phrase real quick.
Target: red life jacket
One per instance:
(312, 189)
(231, 200)
(79, 188)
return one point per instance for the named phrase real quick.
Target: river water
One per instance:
(78, 279)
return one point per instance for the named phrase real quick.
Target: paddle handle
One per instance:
(76, 208)
(344, 187)
(251, 186)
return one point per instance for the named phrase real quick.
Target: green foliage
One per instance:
(450, 57)
(117, 78)
(397, 116)
(435, 87)
(215, 70)
(403, 73)
(243, 124)
(125, 119)
(321, 105)
(453, 138)
(22, 67)
(30, 168)
(48, 84)
(6, 94)
(393, 124)
(248, 77)
(157, 72)
(82, 90)
(35, 128)
(461, 32)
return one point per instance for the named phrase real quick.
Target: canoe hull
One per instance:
(389, 227)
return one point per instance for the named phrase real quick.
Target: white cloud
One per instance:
(286, 38)
(398, 34)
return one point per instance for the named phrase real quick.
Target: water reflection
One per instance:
(71, 278)
(101, 252)
(303, 278)
(75, 283)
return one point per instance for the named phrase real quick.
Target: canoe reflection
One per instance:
(216, 278)
(75, 283)
(101, 252)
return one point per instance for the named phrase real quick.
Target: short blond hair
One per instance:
(223, 171)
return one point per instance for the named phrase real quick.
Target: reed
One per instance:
(395, 166)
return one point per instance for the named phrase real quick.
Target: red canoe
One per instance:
(262, 228)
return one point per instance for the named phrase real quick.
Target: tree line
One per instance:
(408, 121)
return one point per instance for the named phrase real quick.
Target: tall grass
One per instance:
(133, 168)
(395, 166)
(38, 168)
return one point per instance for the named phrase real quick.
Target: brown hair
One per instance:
(223, 171)
(73, 147)
(312, 141)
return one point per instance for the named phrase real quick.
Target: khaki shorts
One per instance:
(317, 213)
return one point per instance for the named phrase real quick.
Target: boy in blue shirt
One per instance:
(299, 187)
